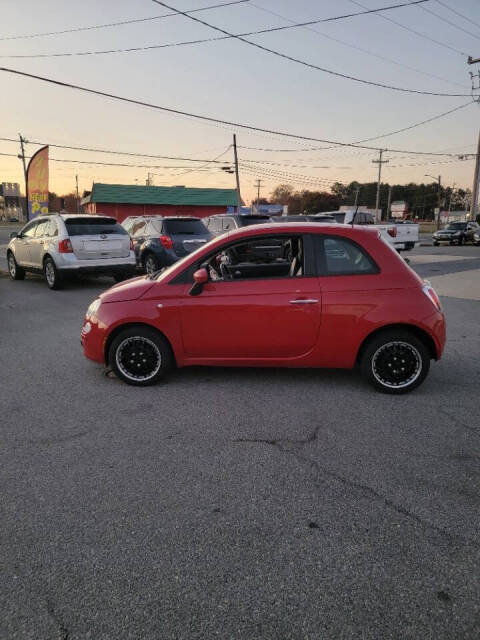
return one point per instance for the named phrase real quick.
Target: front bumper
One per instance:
(443, 238)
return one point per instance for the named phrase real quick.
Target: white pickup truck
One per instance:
(402, 235)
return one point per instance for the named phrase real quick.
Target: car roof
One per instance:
(283, 228)
(256, 216)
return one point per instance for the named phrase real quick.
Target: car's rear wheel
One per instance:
(150, 263)
(51, 275)
(16, 272)
(140, 356)
(395, 362)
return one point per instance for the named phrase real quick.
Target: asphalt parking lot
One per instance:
(235, 503)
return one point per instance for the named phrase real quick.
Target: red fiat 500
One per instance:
(289, 295)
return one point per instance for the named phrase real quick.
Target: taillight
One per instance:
(65, 246)
(392, 231)
(131, 245)
(167, 242)
(430, 292)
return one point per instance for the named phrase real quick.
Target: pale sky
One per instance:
(236, 82)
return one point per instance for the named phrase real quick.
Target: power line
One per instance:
(314, 66)
(417, 33)
(116, 24)
(192, 42)
(357, 48)
(120, 153)
(208, 118)
(107, 164)
(443, 4)
(384, 135)
(456, 26)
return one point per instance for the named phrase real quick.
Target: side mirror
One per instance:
(200, 278)
(14, 234)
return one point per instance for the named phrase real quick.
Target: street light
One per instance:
(439, 178)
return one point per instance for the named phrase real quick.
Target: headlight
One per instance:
(457, 233)
(93, 308)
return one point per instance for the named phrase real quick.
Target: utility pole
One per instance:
(258, 184)
(439, 196)
(389, 199)
(149, 180)
(476, 175)
(78, 198)
(450, 202)
(239, 199)
(380, 161)
(22, 158)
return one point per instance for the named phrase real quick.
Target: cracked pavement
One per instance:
(227, 503)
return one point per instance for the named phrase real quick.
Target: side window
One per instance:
(138, 228)
(128, 226)
(340, 256)
(228, 224)
(29, 230)
(260, 258)
(42, 228)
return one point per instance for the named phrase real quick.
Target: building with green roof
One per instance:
(123, 200)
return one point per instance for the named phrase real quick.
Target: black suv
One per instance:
(456, 232)
(225, 222)
(159, 242)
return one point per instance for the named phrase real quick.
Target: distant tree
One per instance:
(281, 194)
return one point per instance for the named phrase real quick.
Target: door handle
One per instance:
(304, 301)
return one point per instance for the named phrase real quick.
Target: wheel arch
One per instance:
(419, 333)
(129, 325)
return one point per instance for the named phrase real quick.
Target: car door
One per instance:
(22, 243)
(36, 243)
(254, 318)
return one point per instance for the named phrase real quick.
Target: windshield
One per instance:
(456, 226)
(185, 227)
(93, 226)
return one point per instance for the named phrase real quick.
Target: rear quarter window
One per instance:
(184, 227)
(337, 256)
(93, 227)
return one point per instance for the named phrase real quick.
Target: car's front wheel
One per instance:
(435, 243)
(16, 272)
(51, 275)
(140, 356)
(460, 241)
(395, 362)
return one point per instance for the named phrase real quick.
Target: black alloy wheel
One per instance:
(395, 362)
(140, 356)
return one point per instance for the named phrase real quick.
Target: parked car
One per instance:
(340, 295)
(305, 218)
(456, 233)
(61, 245)
(225, 222)
(159, 242)
(476, 238)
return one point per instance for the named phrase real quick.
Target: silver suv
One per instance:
(59, 245)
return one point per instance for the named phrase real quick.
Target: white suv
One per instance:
(59, 245)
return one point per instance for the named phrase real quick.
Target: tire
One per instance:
(51, 275)
(435, 244)
(477, 243)
(384, 351)
(125, 356)
(150, 263)
(16, 272)
(460, 241)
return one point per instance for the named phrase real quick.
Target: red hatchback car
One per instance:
(274, 295)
